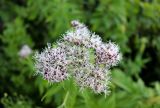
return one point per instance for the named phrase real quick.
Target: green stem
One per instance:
(65, 100)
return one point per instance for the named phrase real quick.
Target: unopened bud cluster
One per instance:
(82, 55)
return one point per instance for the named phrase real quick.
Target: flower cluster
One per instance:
(82, 55)
(25, 51)
(51, 63)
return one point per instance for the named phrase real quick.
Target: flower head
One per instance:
(52, 64)
(25, 51)
(82, 55)
(108, 54)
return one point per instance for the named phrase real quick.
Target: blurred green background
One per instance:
(133, 24)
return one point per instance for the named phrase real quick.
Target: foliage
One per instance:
(133, 24)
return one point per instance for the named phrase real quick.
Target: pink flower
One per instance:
(82, 55)
(25, 51)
